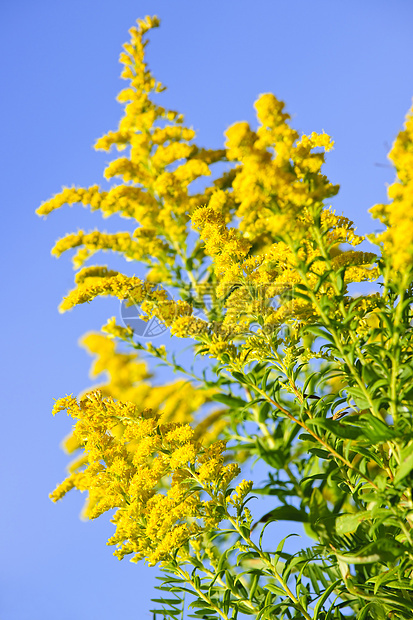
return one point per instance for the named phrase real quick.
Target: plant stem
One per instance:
(270, 566)
(201, 594)
(303, 425)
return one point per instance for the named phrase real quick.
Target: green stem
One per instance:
(326, 319)
(303, 425)
(201, 594)
(395, 349)
(270, 567)
(224, 585)
(338, 344)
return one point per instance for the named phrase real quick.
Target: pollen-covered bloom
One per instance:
(151, 472)
(123, 287)
(159, 163)
(397, 216)
(279, 176)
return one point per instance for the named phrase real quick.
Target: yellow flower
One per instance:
(241, 492)
(120, 286)
(127, 455)
(397, 239)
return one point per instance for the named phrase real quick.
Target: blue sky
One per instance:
(341, 67)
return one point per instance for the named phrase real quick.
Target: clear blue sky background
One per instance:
(344, 67)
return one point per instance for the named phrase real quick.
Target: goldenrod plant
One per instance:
(300, 370)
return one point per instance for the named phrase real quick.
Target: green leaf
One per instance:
(358, 396)
(228, 399)
(168, 613)
(321, 519)
(375, 429)
(381, 550)
(254, 585)
(199, 603)
(345, 524)
(324, 597)
(274, 589)
(406, 464)
(307, 437)
(239, 377)
(221, 563)
(285, 513)
(264, 411)
(226, 601)
(321, 333)
(339, 429)
(322, 454)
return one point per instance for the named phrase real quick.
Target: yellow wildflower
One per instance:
(125, 471)
(397, 239)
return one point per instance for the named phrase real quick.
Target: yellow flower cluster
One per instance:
(259, 223)
(160, 163)
(241, 493)
(226, 246)
(119, 285)
(125, 200)
(265, 257)
(128, 378)
(397, 239)
(276, 195)
(189, 326)
(94, 271)
(147, 245)
(167, 311)
(279, 176)
(216, 337)
(128, 453)
(356, 263)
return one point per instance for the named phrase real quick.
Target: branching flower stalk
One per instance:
(255, 272)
